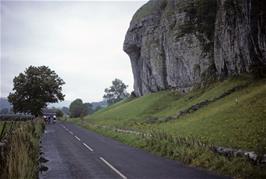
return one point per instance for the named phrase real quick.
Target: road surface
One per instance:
(74, 152)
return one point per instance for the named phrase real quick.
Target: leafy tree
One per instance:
(65, 110)
(59, 113)
(97, 108)
(116, 92)
(34, 88)
(77, 108)
(88, 108)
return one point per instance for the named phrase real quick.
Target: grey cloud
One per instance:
(81, 41)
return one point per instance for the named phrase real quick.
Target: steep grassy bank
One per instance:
(19, 157)
(233, 116)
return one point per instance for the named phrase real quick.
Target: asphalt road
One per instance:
(74, 152)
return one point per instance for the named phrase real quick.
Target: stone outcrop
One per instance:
(240, 36)
(183, 43)
(250, 155)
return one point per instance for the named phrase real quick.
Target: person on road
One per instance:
(54, 119)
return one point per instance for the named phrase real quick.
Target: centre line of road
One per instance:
(65, 128)
(88, 147)
(113, 168)
(71, 132)
(77, 138)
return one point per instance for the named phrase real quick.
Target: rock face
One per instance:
(240, 36)
(182, 43)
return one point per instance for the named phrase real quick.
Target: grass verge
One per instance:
(188, 150)
(19, 157)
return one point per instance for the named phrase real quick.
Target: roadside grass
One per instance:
(236, 121)
(197, 153)
(1, 128)
(20, 156)
(129, 139)
(188, 150)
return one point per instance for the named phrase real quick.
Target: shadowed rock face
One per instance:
(240, 36)
(181, 43)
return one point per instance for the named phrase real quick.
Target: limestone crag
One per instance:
(240, 36)
(182, 43)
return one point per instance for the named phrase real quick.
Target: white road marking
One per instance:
(113, 168)
(88, 147)
(77, 138)
(101, 158)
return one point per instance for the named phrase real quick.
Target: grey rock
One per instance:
(240, 36)
(164, 57)
(160, 57)
(251, 155)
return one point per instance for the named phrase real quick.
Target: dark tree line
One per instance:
(79, 109)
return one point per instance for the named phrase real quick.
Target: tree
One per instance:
(97, 108)
(65, 110)
(89, 108)
(59, 113)
(34, 88)
(77, 108)
(116, 92)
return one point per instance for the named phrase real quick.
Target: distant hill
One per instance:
(101, 104)
(4, 103)
(65, 103)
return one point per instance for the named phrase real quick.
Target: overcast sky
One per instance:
(82, 41)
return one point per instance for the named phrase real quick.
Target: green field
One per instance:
(237, 120)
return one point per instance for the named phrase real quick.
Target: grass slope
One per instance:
(238, 120)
